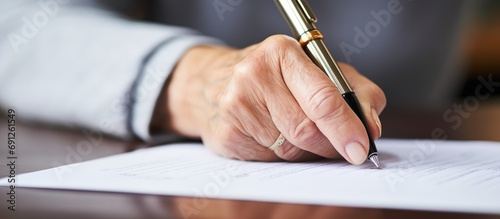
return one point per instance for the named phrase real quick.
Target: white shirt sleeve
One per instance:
(152, 79)
(86, 67)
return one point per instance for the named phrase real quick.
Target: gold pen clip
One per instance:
(307, 11)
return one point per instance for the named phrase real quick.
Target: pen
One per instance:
(301, 20)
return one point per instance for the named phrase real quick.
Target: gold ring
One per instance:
(281, 139)
(309, 36)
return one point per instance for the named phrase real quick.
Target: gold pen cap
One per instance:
(298, 15)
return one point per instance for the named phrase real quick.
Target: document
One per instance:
(416, 174)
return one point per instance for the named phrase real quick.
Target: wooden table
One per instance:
(40, 147)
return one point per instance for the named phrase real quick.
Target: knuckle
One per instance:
(281, 51)
(281, 40)
(250, 71)
(325, 102)
(246, 67)
(280, 45)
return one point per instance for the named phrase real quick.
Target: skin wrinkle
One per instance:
(238, 107)
(286, 58)
(293, 140)
(252, 76)
(338, 112)
(287, 152)
(295, 134)
(242, 99)
(290, 153)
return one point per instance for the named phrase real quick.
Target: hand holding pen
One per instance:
(270, 102)
(301, 20)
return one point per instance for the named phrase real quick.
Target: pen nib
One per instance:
(374, 160)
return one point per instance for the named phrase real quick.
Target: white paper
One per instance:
(417, 174)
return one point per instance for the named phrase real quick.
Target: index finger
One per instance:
(322, 102)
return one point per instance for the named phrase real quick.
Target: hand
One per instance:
(239, 101)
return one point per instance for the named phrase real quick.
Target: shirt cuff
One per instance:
(154, 75)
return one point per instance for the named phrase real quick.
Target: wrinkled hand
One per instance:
(239, 101)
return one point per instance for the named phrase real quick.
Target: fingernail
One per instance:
(356, 152)
(377, 121)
